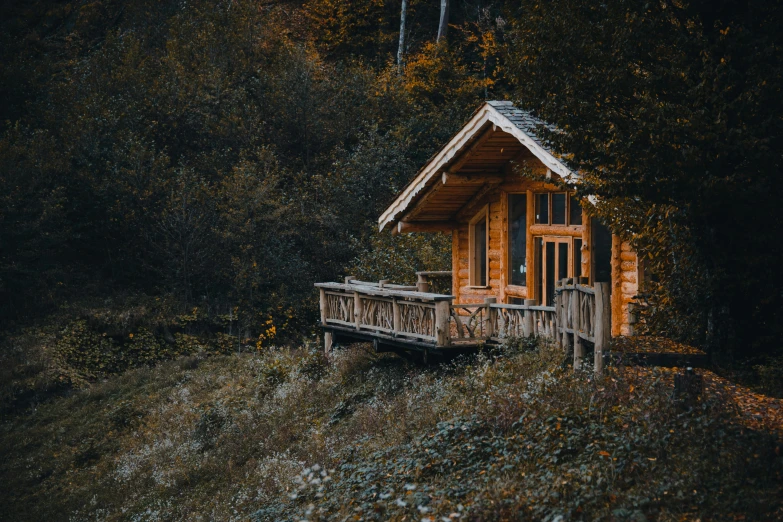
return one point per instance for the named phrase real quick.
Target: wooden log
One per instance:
(492, 316)
(603, 324)
(442, 313)
(348, 279)
(404, 227)
(421, 283)
(357, 309)
(323, 305)
(527, 325)
(383, 282)
(578, 343)
(328, 343)
(397, 316)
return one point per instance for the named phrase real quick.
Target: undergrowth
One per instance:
(286, 435)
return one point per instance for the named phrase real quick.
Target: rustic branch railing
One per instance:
(385, 309)
(581, 314)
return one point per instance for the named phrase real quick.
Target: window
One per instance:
(575, 217)
(542, 209)
(478, 249)
(557, 208)
(517, 238)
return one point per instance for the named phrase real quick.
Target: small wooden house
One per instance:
(515, 241)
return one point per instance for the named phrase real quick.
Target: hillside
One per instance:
(282, 435)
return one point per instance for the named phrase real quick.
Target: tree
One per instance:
(671, 111)
(443, 25)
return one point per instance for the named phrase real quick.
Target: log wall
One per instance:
(624, 263)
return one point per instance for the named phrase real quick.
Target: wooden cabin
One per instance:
(516, 241)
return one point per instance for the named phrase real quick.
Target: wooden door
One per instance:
(554, 261)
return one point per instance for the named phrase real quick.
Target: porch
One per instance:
(399, 318)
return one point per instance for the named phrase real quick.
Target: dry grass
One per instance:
(518, 436)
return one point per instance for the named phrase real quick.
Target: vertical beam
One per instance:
(397, 316)
(357, 309)
(348, 279)
(578, 346)
(527, 325)
(328, 343)
(421, 283)
(492, 316)
(455, 264)
(442, 312)
(562, 304)
(603, 324)
(323, 305)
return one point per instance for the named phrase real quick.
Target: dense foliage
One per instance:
(672, 111)
(223, 156)
(511, 437)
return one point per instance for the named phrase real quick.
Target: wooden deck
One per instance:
(402, 318)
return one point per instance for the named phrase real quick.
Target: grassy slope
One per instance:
(235, 437)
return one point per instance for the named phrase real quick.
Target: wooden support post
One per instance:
(357, 309)
(323, 304)
(561, 314)
(397, 314)
(492, 316)
(603, 324)
(383, 282)
(421, 283)
(527, 325)
(328, 343)
(578, 346)
(348, 279)
(442, 313)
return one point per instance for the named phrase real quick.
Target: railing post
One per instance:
(348, 279)
(421, 283)
(603, 324)
(528, 324)
(575, 311)
(442, 313)
(492, 316)
(561, 315)
(397, 314)
(357, 309)
(324, 304)
(382, 283)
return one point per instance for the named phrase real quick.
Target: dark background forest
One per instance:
(180, 169)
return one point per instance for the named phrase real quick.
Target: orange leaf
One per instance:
(603, 453)
(631, 389)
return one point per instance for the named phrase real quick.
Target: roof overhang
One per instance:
(451, 154)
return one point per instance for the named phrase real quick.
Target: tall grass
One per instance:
(286, 435)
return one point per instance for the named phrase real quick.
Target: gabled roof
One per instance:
(495, 115)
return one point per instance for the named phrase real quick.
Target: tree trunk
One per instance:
(443, 27)
(401, 48)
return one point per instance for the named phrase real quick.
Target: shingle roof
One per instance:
(524, 121)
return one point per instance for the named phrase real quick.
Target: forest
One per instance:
(175, 176)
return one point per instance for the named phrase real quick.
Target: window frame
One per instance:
(473, 266)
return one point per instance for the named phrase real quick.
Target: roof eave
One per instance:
(485, 114)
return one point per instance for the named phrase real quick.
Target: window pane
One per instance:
(539, 267)
(562, 261)
(517, 237)
(559, 209)
(480, 244)
(602, 252)
(542, 209)
(550, 273)
(576, 211)
(577, 258)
